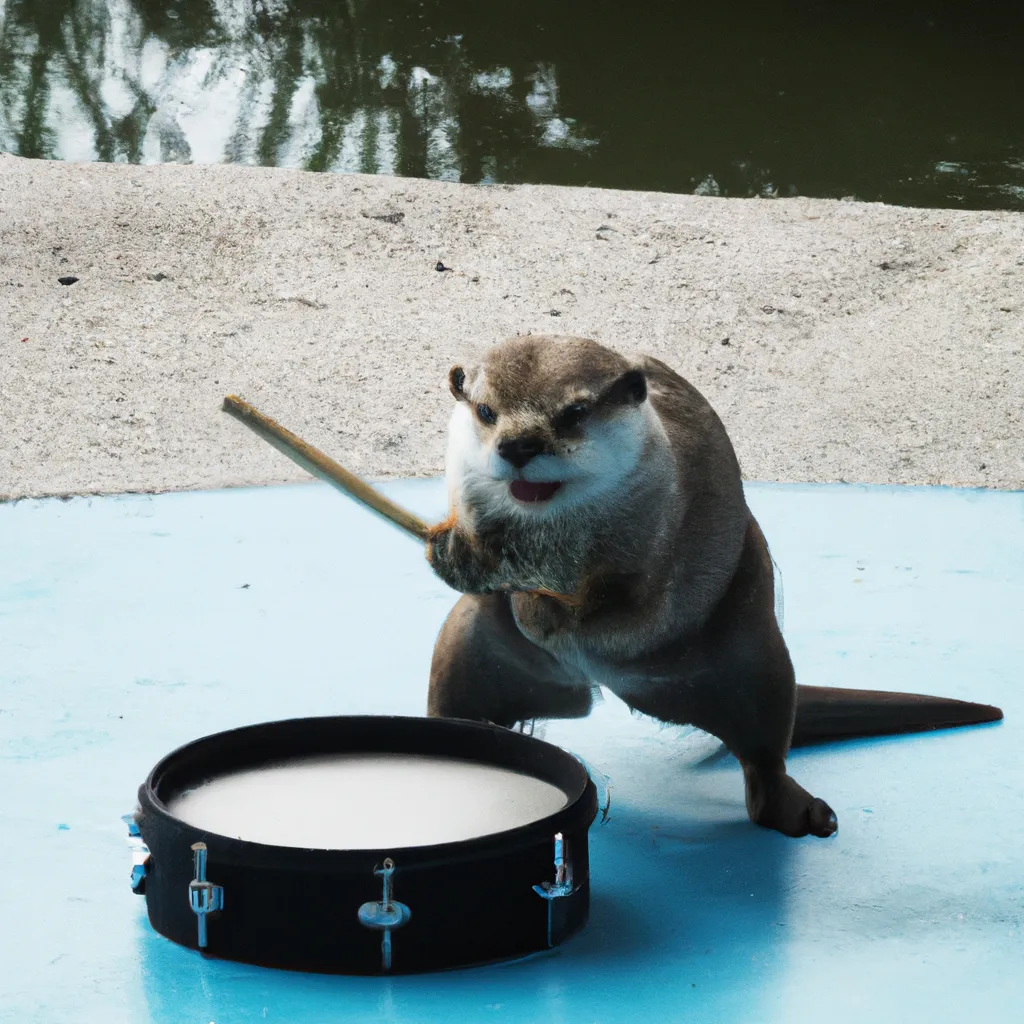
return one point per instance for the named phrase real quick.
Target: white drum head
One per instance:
(367, 801)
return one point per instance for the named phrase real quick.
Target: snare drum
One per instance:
(365, 845)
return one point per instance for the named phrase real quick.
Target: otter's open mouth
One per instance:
(524, 490)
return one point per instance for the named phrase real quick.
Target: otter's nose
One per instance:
(520, 450)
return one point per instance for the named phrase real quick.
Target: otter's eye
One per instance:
(486, 414)
(571, 416)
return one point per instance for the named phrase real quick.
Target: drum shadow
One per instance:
(674, 898)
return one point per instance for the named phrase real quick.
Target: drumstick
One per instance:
(324, 468)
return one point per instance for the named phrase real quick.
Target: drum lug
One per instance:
(561, 887)
(384, 915)
(204, 897)
(140, 855)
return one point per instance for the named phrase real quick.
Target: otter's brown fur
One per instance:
(645, 572)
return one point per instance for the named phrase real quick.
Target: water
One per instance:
(924, 107)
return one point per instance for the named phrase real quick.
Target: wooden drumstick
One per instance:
(324, 468)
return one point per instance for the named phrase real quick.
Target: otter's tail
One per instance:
(828, 713)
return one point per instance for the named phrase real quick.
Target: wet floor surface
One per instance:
(131, 625)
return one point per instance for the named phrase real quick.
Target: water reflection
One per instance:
(671, 97)
(290, 84)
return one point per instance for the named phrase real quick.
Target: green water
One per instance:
(922, 105)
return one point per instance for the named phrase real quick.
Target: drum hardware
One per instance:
(140, 855)
(387, 914)
(560, 888)
(205, 897)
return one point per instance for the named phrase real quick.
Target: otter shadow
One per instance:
(673, 886)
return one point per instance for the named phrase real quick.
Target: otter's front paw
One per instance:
(458, 562)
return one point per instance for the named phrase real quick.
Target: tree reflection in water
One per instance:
(921, 106)
(289, 83)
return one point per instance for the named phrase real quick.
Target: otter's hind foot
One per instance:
(778, 802)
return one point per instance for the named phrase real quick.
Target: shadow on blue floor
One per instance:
(130, 625)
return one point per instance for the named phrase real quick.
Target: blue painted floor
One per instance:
(128, 626)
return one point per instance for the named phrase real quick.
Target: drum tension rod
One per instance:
(385, 915)
(562, 885)
(140, 855)
(205, 897)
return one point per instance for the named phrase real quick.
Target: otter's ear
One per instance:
(456, 382)
(630, 388)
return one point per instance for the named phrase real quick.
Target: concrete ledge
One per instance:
(838, 341)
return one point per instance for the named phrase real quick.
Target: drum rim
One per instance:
(578, 813)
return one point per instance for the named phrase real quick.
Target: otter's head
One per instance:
(545, 423)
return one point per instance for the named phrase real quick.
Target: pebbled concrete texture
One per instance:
(838, 340)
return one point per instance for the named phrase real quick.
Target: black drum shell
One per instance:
(471, 902)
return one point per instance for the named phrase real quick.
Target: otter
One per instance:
(599, 537)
